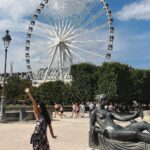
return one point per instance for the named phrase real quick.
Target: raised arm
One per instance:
(126, 117)
(34, 104)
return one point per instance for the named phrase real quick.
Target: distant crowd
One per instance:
(79, 109)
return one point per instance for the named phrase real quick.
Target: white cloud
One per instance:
(14, 17)
(14, 12)
(65, 8)
(14, 9)
(137, 10)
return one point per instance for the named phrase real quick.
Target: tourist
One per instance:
(57, 108)
(39, 137)
(82, 109)
(77, 110)
(91, 107)
(61, 111)
(73, 110)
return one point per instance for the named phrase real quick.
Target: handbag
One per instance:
(35, 138)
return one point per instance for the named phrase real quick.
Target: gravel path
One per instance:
(72, 135)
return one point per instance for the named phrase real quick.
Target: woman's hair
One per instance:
(45, 113)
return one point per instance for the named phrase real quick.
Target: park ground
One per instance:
(72, 134)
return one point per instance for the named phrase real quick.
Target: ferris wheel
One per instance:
(66, 32)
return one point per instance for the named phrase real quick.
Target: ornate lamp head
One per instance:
(6, 39)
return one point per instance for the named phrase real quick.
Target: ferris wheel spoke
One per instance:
(47, 19)
(89, 41)
(100, 27)
(64, 26)
(51, 32)
(73, 36)
(45, 28)
(77, 55)
(81, 49)
(41, 50)
(84, 15)
(70, 38)
(43, 42)
(49, 22)
(68, 32)
(38, 62)
(72, 33)
(64, 29)
(59, 30)
(55, 30)
(87, 22)
(45, 50)
(92, 19)
(83, 31)
(43, 35)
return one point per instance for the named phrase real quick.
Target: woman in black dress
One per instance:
(42, 121)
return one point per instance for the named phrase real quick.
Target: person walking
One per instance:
(91, 107)
(73, 110)
(77, 109)
(57, 108)
(82, 109)
(39, 138)
(61, 111)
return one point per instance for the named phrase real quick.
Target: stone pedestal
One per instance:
(22, 116)
(109, 144)
(147, 115)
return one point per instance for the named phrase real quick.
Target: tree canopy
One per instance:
(120, 82)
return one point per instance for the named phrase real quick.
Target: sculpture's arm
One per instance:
(99, 130)
(126, 117)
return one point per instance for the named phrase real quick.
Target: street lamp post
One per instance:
(6, 39)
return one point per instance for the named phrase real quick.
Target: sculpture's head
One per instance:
(102, 100)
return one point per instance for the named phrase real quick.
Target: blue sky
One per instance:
(131, 22)
(132, 32)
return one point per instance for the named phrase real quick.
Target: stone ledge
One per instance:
(146, 115)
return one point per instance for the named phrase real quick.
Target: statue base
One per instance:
(108, 144)
(147, 115)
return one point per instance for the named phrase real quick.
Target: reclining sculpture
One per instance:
(105, 134)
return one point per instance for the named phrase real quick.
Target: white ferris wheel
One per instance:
(66, 32)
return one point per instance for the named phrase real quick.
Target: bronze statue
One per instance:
(102, 123)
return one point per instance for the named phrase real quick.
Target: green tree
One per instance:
(141, 85)
(67, 94)
(49, 92)
(146, 87)
(84, 82)
(15, 88)
(114, 80)
(137, 83)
